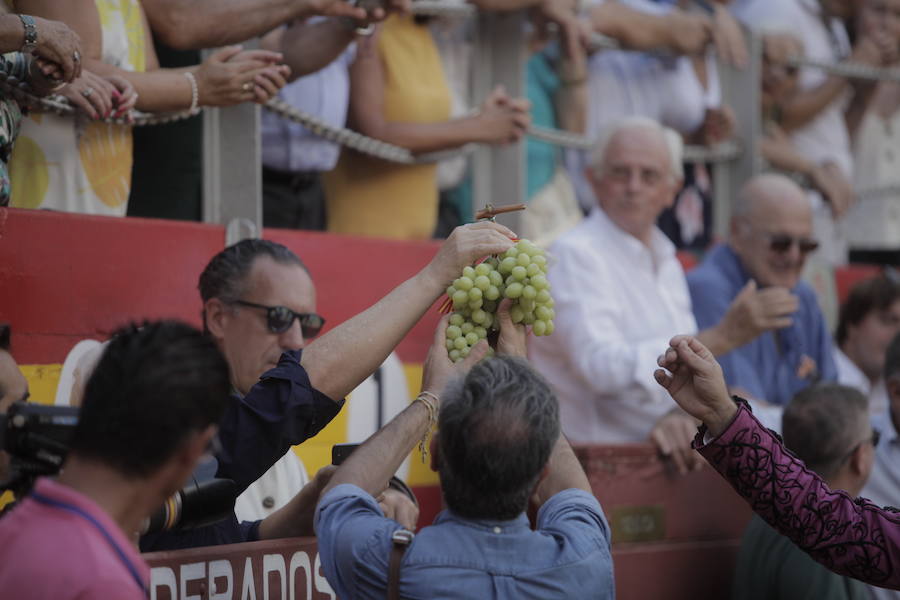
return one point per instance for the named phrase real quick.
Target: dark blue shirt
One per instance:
(282, 410)
(567, 556)
(768, 368)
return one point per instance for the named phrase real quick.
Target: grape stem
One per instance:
(489, 212)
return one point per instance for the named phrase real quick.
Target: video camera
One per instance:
(37, 439)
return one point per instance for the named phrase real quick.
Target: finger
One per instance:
(264, 56)
(81, 102)
(477, 352)
(694, 354)
(440, 332)
(225, 54)
(265, 85)
(663, 378)
(779, 323)
(502, 229)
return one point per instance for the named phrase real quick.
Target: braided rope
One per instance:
(848, 70)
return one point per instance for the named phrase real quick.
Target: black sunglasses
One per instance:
(280, 318)
(781, 243)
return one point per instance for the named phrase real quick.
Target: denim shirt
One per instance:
(771, 367)
(567, 556)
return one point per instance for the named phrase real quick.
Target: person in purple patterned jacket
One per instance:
(849, 536)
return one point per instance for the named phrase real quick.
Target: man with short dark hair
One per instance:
(499, 444)
(13, 387)
(827, 427)
(259, 306)
(149, 413)
(869, 320)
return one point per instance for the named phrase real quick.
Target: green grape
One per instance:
(496, 278)
(542, 296)
(528, 320)
(467, 327)
(450, 345)
(483, 269)
(539, 327)
(456, 319)
(488, 319)
(490, 307)
(453, 332)
(464, 283)
(550, 327)
(451, 290)
(465, 352)
(506, 265)
(527, 305)
(523, 260)
(552, 313)
(493, 262)
(550, 303)
(475, 294)
(460, 343)
(481, 332)
(492, 293)
(543, 313)
(511, 252)
(471, 338)
(482, 282)
(529, 292)
(509, 280)
(516, 313)
(519, 273)
(475, 304)
(460, 297)
(455, 355)
(478, 316)
(540, 282)
(514, 290)
(532, 270)
(540, 260)
(469, 272)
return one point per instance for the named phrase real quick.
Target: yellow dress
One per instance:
(371, 197)
(77, 165)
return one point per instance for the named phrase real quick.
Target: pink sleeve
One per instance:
(849, 536)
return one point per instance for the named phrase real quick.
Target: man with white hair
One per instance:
(620, 295)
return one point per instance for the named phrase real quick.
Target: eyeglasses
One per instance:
(782, 242)
(280, 318)
(876, 437)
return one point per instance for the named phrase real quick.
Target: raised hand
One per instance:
(754, 312)
(465, 245)
(438, 369)
(695, 381)
(512, 339)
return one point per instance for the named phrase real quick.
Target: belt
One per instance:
(294, 179)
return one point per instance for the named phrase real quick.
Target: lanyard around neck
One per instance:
(75, 510)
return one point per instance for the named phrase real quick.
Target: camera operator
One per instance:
(150, 412)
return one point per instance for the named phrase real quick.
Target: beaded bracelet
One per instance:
(195, 93)
(431, 406)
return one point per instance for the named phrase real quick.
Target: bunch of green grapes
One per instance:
(521, 275)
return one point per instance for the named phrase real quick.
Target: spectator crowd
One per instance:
(643, 350)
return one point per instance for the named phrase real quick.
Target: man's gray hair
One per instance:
(672, 138)
(822, 423)
(497, 428)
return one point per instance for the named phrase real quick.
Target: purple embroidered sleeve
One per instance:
(850, 537)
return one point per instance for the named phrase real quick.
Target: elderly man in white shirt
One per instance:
(621, 294)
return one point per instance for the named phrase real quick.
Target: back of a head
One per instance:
(497, 428)
(226, 271)
(151, 389)
(822, 423)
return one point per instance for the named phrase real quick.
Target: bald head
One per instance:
(771, 229)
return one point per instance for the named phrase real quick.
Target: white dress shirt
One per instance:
(273, 490)
(851, 375)
(618, 303)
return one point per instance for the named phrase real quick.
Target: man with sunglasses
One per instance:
(827, 427)
(770, 238)
(259, 305)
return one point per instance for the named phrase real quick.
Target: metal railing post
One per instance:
(740, 91)
(499, 171)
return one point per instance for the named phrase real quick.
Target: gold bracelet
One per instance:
(432, 408)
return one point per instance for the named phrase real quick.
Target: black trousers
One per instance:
(293, 200)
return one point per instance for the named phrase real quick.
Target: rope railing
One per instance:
(849, 70)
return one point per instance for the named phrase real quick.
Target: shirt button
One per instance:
(497, 530)
(268, 502)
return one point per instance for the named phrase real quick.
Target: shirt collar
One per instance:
(661, 248)
(518, 524)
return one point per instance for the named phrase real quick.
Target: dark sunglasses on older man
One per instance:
(280, 318)
(782, 242)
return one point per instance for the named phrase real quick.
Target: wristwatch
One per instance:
(31, 35)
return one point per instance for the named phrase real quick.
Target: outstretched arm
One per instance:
(850, 537)
(338, 361)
